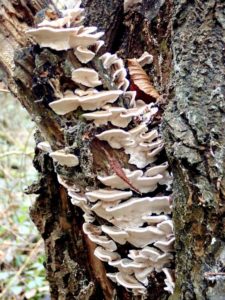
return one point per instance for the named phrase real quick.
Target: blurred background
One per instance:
(22, 275)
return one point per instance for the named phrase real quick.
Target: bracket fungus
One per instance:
(107, 195)
(132, 211)
(116, 69)
(65, 159)
(120, 116)
(84, 54)
(143, 183)
(89, 102)
(86, 76)
(94, 234)
(145, 59)
(44, 146)
(142, 146)
(142, 223)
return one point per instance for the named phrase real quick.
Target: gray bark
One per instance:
(195, 138)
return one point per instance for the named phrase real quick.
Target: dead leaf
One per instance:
(141, 79)
(116, 167)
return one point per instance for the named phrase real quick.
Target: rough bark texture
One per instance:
(195, 137)
(193, 130)
(72, 270)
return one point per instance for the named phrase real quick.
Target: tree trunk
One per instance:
(195, 137)
(194, 140)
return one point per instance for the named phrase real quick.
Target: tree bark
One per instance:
(194, 140)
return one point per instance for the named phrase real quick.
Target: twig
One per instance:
(13, 232)
(15, 153)
(4, 91)
(18, 273)
(208, 274)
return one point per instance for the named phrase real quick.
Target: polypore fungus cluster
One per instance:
(133, 203)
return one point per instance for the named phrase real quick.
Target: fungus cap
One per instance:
(65, 159)
(89, 102)
(106, 255)
(44, 146)
(83, 54)
(107, 195)
(86, 76)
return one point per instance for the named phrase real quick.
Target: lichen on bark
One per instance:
(194, 136)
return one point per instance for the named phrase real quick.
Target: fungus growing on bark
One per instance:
(115, 115)
(106, 255)
(65, 38)
(143, 183)
(116, 69)
(65, 159)
(133, 211)
(82, 93)
(83, 54)
(86, 76)
(117, 138)
(89, 102)
(142, 146)
(54, 38)
(166, 246)
(69, 17)
(107, 195)
(141, 263)
(170, 285)
(44, 146)
(142, 223)
(94, 234)
(120, 116)
(128, 281)
(139, 237)
(145, 59)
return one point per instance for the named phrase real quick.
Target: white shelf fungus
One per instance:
(107, 195)
(145, 59)
(142, 223)
(44, 146)
(86, 76)
(89, 102)
(106, 255)
(116, 69)
(132, 211)
(120, 116)
(141, 145)
(94, 234)
(65, 159)
(84, 54)
(143, 183)
(65, 38)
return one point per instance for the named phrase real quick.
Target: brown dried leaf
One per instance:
(116, 167)
(141, 79)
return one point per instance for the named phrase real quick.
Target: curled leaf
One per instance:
(141, 79)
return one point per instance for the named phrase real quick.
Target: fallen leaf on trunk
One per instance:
(141, 79)
(115, 165)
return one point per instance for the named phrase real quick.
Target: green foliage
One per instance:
(22, 275)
